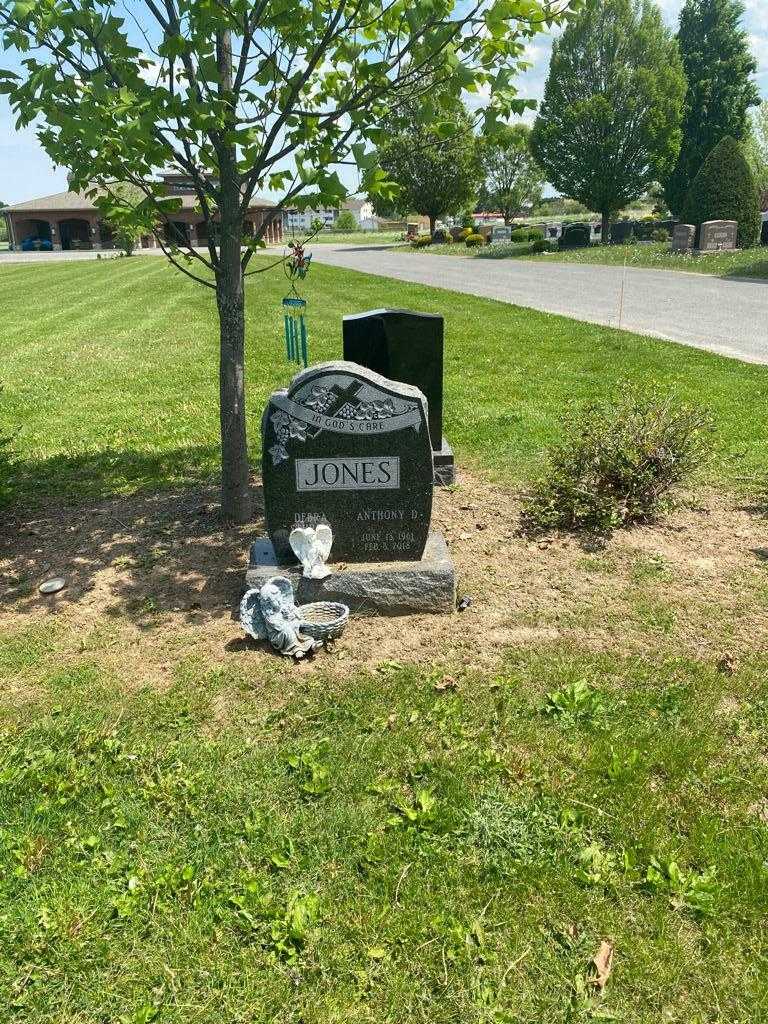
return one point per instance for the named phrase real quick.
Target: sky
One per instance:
(26, 171)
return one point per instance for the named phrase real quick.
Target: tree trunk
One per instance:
(230, 298)
(432, 222)
(606, 229)
(235, 489)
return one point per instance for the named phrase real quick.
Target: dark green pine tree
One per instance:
(719, 66)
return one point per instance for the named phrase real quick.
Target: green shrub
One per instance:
(442, 236)
(474, 240)
(725, 189)
(619, 462)
(541, 245)
(465, 233)
(468, 221)
(500, 250)
(345, 222)
(527, 235)
(421, 240)
(660, 235)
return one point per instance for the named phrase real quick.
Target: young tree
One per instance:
(240, 96)
(437, 169)
(725, 189)
(512, 176)
(346, 221)
(610, 121)
(718, 67)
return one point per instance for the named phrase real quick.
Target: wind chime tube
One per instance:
(303, 327)
(287, 320)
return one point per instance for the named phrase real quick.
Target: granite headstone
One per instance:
(715, 235)
(405, 346)
(683, 237)
(501, 233)
(345, 446)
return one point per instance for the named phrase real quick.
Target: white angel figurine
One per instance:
(312, 546)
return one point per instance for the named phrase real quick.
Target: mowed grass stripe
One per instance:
(121, 356)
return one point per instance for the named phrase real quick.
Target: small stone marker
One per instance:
(501, 233)
(347, 447)
(52, 586)
(716, 235)
(405, 346)
(683, 237)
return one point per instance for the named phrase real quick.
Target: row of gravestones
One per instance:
(713, 236)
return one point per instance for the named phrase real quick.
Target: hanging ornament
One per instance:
(296, 343)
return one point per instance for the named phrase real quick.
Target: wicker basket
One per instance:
(323, 620)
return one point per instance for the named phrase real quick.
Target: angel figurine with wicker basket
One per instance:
(270, 613)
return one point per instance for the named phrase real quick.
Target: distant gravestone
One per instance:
(621, 232)
(683, 237)
(576, 236)
(347, 447)
(501, 233)
(716, 235)
(405, 346)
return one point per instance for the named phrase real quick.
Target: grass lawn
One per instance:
(357, 237)
(112, 383)
(656, 256)
(445, 818)
(651, 256)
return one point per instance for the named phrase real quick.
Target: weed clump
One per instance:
(619, 463)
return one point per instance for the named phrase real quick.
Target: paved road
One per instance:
(726, 316)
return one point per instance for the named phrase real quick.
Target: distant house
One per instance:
(69, 220)
(299, 222)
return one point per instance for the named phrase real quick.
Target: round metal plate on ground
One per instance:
(52, 586)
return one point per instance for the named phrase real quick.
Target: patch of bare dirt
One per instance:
(153, 579)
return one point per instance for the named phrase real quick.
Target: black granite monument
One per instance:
(405, 346)
(345, 446)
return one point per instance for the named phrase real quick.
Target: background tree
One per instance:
(3, 225)
(512, 176)
(610, 121)
(725, 189)
(346, 221)
(718, 67)
(756, 146)
(437, 168)
(241, 96)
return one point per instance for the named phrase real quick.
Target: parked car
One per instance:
(32, 244)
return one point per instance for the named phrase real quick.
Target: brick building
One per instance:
(69, 220)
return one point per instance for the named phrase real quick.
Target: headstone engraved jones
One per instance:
(345, 446)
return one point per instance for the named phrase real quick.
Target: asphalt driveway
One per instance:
(729, 316)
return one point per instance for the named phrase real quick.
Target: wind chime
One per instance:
(296, 345)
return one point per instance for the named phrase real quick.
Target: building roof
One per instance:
(72, 202)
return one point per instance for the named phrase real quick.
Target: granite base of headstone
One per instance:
(406, 346)
(718, 235)
(426, 586)
(347, 447)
